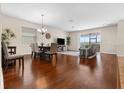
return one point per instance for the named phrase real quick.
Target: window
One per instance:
(90, 38)
(94, 38)
(28, 35)
(84, 38)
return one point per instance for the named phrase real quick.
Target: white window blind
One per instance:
(28, 35)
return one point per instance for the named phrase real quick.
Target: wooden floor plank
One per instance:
(70, 72)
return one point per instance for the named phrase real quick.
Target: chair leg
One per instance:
(35, 54)
(6, 66)
(15, 62)
(51, 57)
(40, 55)
(22, 66)
(31, 54)
(56, 56)
(48, 56)
(19, 63)
(22, 62)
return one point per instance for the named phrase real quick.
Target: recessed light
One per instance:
(73, 26)
(70, 20)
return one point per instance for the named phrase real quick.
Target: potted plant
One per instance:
(68, 41)
(7, 35)
(87, 46)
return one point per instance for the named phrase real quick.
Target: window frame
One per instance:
(91, 38)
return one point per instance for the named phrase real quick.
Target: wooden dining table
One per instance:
(44, 48)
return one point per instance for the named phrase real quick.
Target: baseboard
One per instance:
(26, 54)
(109, 53)
(73, 50)
(1, 79)
(120, 55)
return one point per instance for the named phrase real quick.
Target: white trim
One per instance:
(1, 74)
(108, 53)
(1, 79)
(120, 55)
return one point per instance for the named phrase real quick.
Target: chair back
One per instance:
(94, 48)
(98, 48)
(53, 48)
(32, 47)
(5, 49)
(36, 47)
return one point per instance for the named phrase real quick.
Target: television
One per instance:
(60, 41)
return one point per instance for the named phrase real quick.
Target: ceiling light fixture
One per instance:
(43, 29)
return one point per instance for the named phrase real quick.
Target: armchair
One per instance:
(89, 52)
(11, 58)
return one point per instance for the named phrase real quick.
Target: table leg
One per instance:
(22, 62)
(86, 53)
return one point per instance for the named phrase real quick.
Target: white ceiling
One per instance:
(83, 16)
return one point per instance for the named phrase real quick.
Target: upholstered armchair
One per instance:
(90, 51)
(8, 59)
(35, 50)
(53, 51)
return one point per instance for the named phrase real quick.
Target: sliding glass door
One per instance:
(87, 39)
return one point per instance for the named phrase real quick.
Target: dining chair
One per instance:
(92, 51)
(11, 58)
(36, 51)
(32, 49)
(53, 51)
(89, 52)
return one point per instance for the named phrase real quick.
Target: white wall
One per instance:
(55, 33)
(1, 74)
(120, 39)
(15, 25)
(108, 38)
(75, 43)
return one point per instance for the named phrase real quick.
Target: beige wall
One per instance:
(120, 39)
(108, 38)
(15, 25)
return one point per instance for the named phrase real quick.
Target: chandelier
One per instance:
(43, 29)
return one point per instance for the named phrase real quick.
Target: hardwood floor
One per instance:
(69, 72)
(121, 71)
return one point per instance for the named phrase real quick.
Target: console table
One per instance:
(61, 47)
(12, 49)
(46, 48)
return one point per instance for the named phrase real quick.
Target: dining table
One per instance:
(44, 48)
